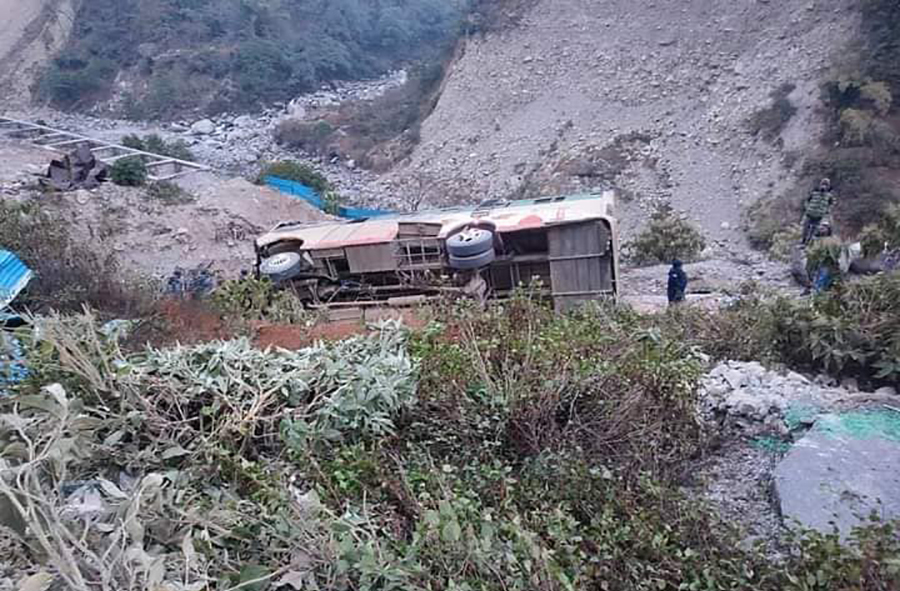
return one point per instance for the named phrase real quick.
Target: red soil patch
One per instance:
(186, 322)
(297, 337)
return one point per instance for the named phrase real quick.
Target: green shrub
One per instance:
(295, 171)
(882, 235)
(157, 145)
(508, 448)
(666, 237)
(784, 242)
(129, 172)
(259, 299)
(169, 193)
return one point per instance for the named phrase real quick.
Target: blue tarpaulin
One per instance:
(308, 194)
(14, 276)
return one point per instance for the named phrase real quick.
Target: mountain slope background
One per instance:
(167, 58)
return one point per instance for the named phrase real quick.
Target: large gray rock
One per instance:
(847, 466)
(203, 127)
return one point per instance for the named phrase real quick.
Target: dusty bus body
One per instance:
(568, 243)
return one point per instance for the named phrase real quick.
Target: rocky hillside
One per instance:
(655, 98)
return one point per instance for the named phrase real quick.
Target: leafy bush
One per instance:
(157, 145)
(851, 329)
(168, 193)
(883, 235)
(129, 172)
(784, 242)
(295, 171)
(666, 237)
(259, 299)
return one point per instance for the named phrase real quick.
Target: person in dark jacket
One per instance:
(677, 282)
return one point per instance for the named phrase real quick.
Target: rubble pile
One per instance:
(79, 169)
(753, 400)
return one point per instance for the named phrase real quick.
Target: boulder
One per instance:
(844, 468)
(203, 127)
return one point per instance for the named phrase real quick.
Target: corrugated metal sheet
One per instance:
(14, 276)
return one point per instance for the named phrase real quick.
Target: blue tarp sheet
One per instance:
(14, 276)
(308, 194)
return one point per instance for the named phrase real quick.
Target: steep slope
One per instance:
(30, 32)
(650, 97)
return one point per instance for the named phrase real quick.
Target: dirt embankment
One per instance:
(31, 31)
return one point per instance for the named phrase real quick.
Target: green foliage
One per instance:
(882, 235)
(509, 448)
(129, 172)
(666, 237)
(70, 83)
(156, 145)
(823, 253)
(850, 330)
(168, 193)
(771, 121)
(374, 133)
(219, 55)
(259, 299)
(295, 171)
(784, 242)
(332, 202)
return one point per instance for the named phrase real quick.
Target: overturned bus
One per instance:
(565, 246)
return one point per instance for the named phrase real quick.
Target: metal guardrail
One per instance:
(160, 168)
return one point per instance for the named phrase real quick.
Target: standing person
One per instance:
(818, 204)
(677, 283)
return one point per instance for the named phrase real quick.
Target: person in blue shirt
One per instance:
(677, 282)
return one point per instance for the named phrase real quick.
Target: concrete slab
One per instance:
(847, 466)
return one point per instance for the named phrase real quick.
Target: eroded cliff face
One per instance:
(31, 32)
(650, 97)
